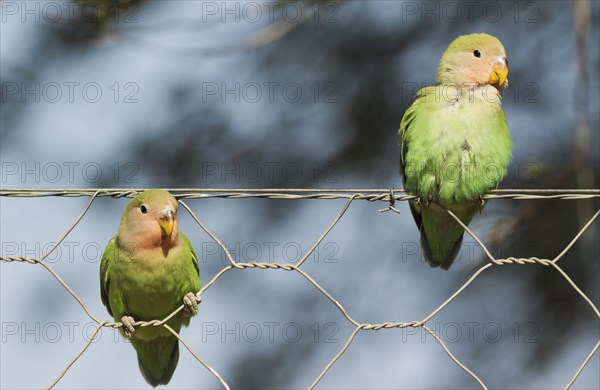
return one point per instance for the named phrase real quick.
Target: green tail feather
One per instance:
(157, 359)
(441, 235)
(440, 258)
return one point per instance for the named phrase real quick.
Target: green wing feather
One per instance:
(104, 280)
(194, 256)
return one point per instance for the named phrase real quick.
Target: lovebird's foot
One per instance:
(481, 203)
(128, 322)
(190, 303)
(424, 200)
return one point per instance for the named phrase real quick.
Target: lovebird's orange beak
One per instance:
(499, 73)
(166, 221)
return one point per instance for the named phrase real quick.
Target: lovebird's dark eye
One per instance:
(143, 209)
(476, 53)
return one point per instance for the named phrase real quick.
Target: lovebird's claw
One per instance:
(128, 322)
(190, 303)
(424, 200)
(481, 203)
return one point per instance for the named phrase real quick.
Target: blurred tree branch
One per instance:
(583, 136)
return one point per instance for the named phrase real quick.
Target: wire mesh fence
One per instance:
(385, 196)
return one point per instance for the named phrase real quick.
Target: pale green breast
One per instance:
(454, 147)
(148, 285)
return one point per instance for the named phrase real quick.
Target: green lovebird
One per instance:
(148, 270)
(455, 143)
